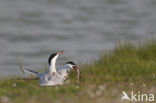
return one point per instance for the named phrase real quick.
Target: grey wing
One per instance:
(31, 72)
(63, 71)
(57, 78)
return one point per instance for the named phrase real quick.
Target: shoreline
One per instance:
(126, 68)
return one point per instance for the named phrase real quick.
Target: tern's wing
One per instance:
(31, 72)
(57, 78)
(63, 71)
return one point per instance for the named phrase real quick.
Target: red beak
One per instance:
(75, 67)
(60, 52)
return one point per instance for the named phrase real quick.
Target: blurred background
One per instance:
(30, 30)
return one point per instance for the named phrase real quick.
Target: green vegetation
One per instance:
(127, 68)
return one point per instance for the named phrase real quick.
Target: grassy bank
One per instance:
(127, 68)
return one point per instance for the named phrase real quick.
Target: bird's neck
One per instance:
(52, 67)
(67, 66)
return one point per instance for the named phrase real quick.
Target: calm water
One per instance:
(32, 29)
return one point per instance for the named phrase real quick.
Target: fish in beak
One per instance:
(76, 68)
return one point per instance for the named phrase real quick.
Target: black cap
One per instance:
(51, 57)
(70, 62)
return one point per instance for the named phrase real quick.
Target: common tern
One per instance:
(54, 76)
(65, 69)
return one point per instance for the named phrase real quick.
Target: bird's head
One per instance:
(73, 66)
(54, 56)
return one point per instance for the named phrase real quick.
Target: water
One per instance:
(32, 29)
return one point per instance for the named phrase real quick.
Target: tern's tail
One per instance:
(31, 72)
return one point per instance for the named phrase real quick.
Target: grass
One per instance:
(127, 68)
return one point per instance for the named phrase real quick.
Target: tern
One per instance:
(65, 69)
(54, 76)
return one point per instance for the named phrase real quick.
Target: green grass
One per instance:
(127, 68)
